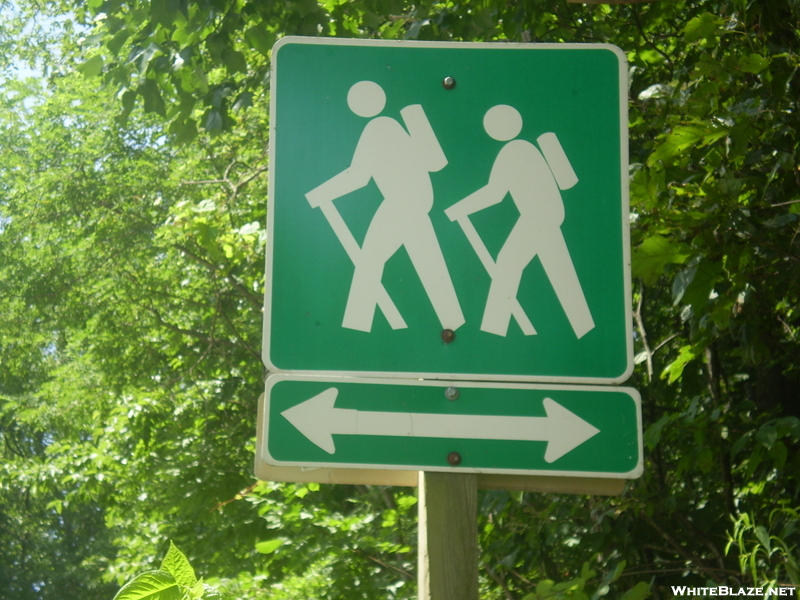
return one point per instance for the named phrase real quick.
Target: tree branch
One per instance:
(499, 581)
(701, 566)
(256, 301)
(637, 315)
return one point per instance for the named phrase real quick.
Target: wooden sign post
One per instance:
(448, 536)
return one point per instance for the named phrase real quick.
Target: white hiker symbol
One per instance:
(533, 180)
(399, 162)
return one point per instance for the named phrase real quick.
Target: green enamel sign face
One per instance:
(583, 431)
(493, 204)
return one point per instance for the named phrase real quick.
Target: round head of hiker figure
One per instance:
(366, 99)
(502, 122)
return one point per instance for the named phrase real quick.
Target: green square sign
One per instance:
(448, 211)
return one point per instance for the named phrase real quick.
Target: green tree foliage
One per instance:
(131, 273)
(125, 267)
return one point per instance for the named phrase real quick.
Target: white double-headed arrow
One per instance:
(319, 421)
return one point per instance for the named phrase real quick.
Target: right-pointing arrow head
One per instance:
(568, 430)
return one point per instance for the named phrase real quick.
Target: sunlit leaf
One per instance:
(653, 256)
(152, 585)
(705, 26)
(270, 545)
(176, 564)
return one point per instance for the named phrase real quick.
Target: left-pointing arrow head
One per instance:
(317, 419)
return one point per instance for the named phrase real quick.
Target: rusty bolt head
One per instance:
(448, 335)
(449, 83)
(454, 458)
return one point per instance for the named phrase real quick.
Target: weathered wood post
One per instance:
(448, 536)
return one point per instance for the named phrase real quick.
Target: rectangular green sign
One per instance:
(524, 429)
(448, 210)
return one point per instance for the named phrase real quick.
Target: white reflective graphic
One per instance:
(399, 160)
(319, 420)
(533, 178)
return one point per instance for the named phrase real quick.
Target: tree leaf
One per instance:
(213, 122)
(653, 256)
(178, 566)
(739, 445)
(767, 436)
(754, 63)
(684, 137)
(143, 58)
(244, 100)
(211, 593)
(698, 290)
(115, 43)
(681, 282)
(164, 11)
(543, 587)
(270, 545)
(197, 590)
(260, 39)
(762, 535)
(92, 67)
(235, 61)
(152, 585)
(153, 103)
(184, 131)
(639, 592)
(652, 434)
(703, 27)
(674, 370)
